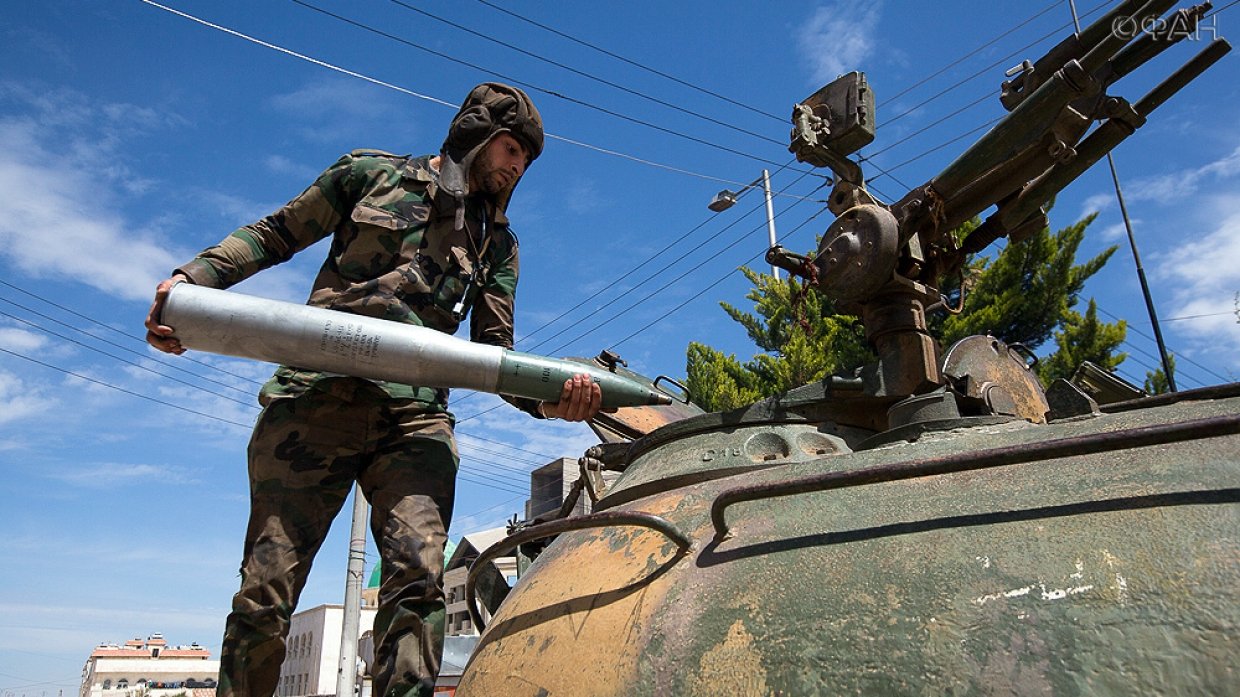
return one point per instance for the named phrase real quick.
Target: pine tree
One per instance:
(1027, 291)
(1156, 380)
(1080, 339)
(1022, 296)
(794, 353)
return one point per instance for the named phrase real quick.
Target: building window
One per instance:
(122, 684)
(107, 684)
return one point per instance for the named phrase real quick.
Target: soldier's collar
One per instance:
(419, 169)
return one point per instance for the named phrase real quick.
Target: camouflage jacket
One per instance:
(395, 254)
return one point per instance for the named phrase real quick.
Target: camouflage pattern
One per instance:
(304, 455)
(395, 254)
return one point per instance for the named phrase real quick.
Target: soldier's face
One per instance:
(499, 164)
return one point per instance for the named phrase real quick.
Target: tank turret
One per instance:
(937, 524)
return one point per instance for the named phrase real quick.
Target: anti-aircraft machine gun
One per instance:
(885, 262)
(935, 525)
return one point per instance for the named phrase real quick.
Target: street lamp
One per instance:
(724, 200)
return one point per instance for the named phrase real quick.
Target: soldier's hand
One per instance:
(160, 335)
(580, 400)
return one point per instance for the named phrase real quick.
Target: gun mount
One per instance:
(1080, 540)
(884, 261)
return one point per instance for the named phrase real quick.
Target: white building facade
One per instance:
(312, 656)
(150, 667)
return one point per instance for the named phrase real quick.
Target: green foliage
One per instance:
(1156, 381)
(793, 356)
(1025, 295)
(1027, 291)
(1083, 338)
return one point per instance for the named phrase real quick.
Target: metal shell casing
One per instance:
(233, 324)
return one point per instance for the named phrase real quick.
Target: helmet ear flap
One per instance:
(471, 127)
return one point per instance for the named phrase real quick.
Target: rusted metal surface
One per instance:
(1096, 554)
(556, 527)
(1080, 573)
(1105, 442)
(997, 374)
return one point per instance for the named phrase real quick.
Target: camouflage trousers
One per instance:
(305, 453)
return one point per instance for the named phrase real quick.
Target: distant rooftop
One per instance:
(154, 646)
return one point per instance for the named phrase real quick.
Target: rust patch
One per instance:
(593, 618)
(732, 667)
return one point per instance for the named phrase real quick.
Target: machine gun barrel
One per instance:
(1186, 74)
(1000, 162)
(1074, 47)
(1014, 132)
(1112, 41)
(1101, 141)
(315, 338)
(1150, 44)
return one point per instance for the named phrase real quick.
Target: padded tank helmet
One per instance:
(490, 109)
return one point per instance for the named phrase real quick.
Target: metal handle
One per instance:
(688, 396)
(964, 462)
(1027, 356)
(555, 527)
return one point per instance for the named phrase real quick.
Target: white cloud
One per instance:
(838, 38)
(338, 109)
(1171, 188)
(58, 221)
(583, 197)
(21, 340)
(283, 165)
(112, 475)
(20, 398)
(1205, 274)
(1114, 232)
(1096, 203)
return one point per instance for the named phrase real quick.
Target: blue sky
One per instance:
(130, 138)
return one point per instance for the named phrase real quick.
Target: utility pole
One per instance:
(1136, 256)
(770, 217)
(725, 199)
(346, 670)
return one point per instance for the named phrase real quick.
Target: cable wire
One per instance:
(403, 90)
(532, 87)
(110, 328)
(488, 480)
(1178, 355)
(974, 52)
(125, 360)
(987, 69)
(582, 73)
(633, 63)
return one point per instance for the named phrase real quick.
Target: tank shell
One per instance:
(1089, 574)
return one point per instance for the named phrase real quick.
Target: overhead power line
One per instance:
(126, 361)
(1179, 356)
(740, 238)
(587, 75)
(247, 404)
(970, 54)
(140, 340)
(721, 279)
(1002, 61)
(654, 71)
(486, 478)
(664, 287)
(411, 93)
(532, 87)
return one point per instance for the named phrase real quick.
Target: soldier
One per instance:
(420, 240)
